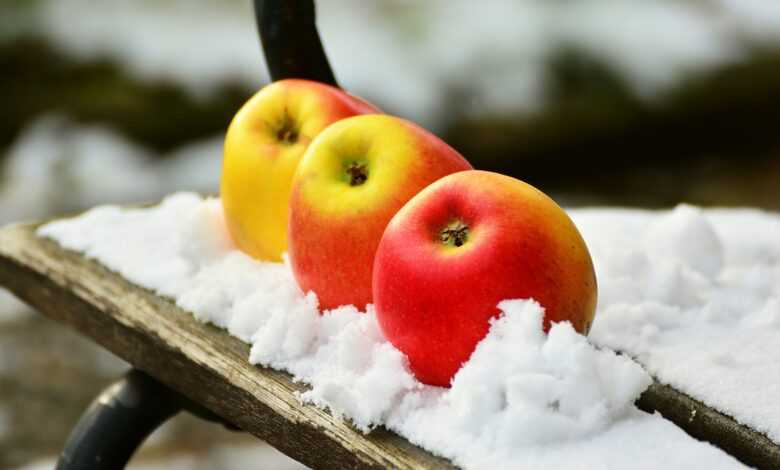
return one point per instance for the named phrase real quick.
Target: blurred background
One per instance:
(634, 102)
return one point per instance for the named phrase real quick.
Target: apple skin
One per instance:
(264, 143)
(434, 300)
(335, 226)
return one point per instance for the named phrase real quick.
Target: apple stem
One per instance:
(455, 234)
(358, 173)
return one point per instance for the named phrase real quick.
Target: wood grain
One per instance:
(210, 367)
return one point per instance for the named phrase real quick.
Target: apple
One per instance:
(458, 248)
(353, 178)
(264, 143)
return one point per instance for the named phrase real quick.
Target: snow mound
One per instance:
(686, 237)
(523, 394)
(522, 388)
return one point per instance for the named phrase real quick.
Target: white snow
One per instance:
(524, 398)
(695, 297)
(496, 53)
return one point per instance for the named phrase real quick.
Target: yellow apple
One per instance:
(264, 143)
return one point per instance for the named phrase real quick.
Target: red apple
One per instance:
(353, 178)
(458, 248)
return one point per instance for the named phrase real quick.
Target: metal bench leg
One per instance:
(117, 422)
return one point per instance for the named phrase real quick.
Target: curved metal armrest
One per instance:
(120, 419)
(290, 40)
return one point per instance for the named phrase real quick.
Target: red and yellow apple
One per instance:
(353, 178)
(264, 143)
(461, 246)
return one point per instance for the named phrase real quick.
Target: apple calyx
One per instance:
(455, 234)
(287, 132)
(357, 173)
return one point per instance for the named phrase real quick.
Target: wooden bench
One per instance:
(209, 367)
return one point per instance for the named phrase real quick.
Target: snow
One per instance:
(695, 297)
(639, 441)
(524, 398)
(556, 384)
(496, 54)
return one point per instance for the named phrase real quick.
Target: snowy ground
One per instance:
(497, 51)
(514, 402)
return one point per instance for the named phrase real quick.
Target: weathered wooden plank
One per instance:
(207, 365)
(704, 423)
(199, 361)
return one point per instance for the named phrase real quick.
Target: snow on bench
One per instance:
(694, 296)
(178, 250)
